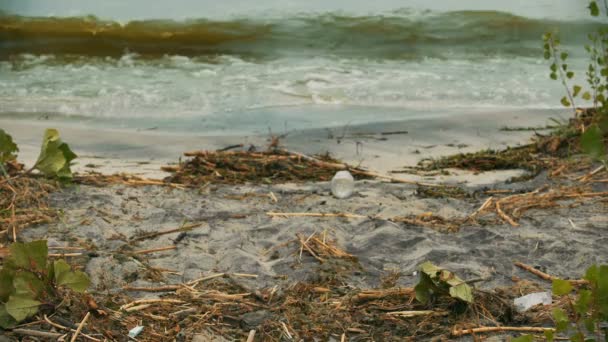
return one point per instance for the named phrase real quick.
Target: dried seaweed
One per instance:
(24, 202)
(274, 166)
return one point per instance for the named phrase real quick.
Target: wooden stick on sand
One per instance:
(461, 332)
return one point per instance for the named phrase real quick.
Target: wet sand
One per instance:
(381, 147)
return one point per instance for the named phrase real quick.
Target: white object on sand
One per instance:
(526, 302)
(135, 331)
(343, 184)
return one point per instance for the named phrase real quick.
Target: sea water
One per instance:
(235, 66)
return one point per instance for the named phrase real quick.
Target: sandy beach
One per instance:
(234, 231)
(175, 178)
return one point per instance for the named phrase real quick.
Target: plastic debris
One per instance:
(526, 302)
(135, 331)
(343, 184)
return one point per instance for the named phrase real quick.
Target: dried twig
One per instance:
(546, 276)
(37, 333)
(151, 301)
(345, 215)
(153, 250)
(80, 326)
(59, 326)
(166, 288)
(461, 332)
(251, 336)
(410, 314)
(183, 228)
(380, 294)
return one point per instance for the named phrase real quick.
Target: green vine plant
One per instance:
(8, 151)
(54, 161)
(30, 281)
(596, 91)
(586, 317)
(436, 281)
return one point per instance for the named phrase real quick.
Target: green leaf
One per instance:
(589, 324)
(523, 338)
(77, 281)
(578, 337)
(592, 143)
(549, 335)
(575, 90)
(424, 288)
(28, 285)
(582, 303)
(553, 67)
(6, 320)
(547, 55)
(6, 284)
(561, 287)
(586, 96)
(553, 76)
(602, 291)
(31, 255)
(21, 307)
(564, 56)
(570, 74)
(8, 149)
(561, 320)
(462, 291)
(55, 156)
(565, 102)
(592, 274)
(435, 279)
(593, 8)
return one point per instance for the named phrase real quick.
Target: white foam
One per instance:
(183, 88)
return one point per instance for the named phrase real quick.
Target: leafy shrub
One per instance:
(586, 319)
(589, 313)
(592, 138)
(29, 280)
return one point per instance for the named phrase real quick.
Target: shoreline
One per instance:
(380, 147)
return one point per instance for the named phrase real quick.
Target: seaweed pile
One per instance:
(272, 166)
(24, 202)
(544, 152)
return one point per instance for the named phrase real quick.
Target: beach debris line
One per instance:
(238, 167)
(511, 208)
(269, 167)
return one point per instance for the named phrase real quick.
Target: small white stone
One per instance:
(526, 302)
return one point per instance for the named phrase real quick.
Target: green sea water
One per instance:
(228, 66)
